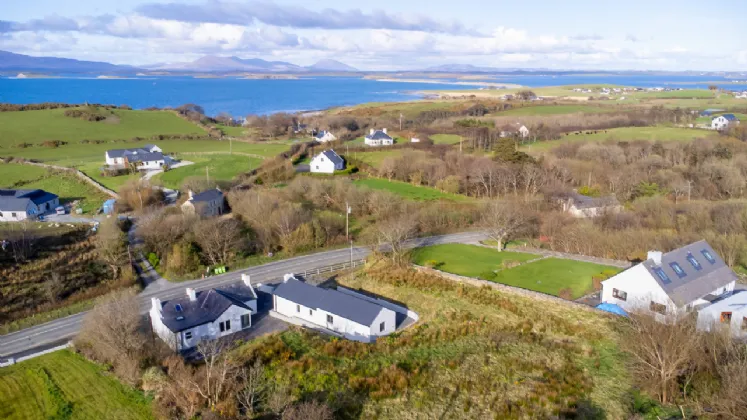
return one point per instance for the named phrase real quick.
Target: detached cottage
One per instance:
(327, 162)
(182, 323)
(18, 205)
(205, 204)
(149, 156)
(378, 138)
(324, 136)
(722, 122)
(579, 205)
(341, 312)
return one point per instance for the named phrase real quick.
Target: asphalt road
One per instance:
(55, 332)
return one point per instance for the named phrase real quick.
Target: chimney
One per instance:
(288, 277)
(192, 294)
(385, 131)
(655, 256)
(246, 279)
(372, 131)
(156, 303)
(191, 194)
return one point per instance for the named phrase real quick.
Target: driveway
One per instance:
(150, 174)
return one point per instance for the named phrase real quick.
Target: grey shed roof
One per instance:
(208, 307)
(695, 284)
(730, 117)
(320, 134)
(586, 202)
(208, 196)
(333, 157)
(18, 200)
(349, 307)
(379, 135)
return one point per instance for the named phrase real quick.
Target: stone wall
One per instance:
(77, 173)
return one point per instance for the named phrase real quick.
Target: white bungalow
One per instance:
(378, 138)
(324, 136)
(341, 312)
(722, 122)
(326, 162)
(149, 156)
(207, 315)
(19, 205)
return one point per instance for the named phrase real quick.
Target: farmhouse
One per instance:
(378, 138)
(147, 157)
(516, 129)
(206, 315)
(340, 312)
(327, 162)
(722, 122)
(691, 278)
(18, 205)
(205, 204)
(324, 136)
(579, 205)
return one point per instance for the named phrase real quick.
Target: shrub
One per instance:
(433, 263)
(487, 275)
(153, 259)
(566, 294)
(510, 263)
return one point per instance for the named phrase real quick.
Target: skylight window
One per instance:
(678, 270)
(662, 275)
(707, 254)
(178, 307)
(696, 265)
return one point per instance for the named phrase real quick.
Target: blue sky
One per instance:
(389, 34)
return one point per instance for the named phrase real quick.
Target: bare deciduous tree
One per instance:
(111, 246)
(255, 387)
(503, 221)
(213, 380)
(219, 239)
(311, 410)
(392, 233)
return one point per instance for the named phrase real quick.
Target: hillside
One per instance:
(19, 62)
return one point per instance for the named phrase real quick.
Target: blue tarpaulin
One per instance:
(109, 206)
(612, 308)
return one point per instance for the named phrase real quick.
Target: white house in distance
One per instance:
(378, 138)
(206, 315)
(691, 278)
(149, 156)
(579, 205)
(18, 205)
(516, 129)
(324, 136)
(342, 312)
(327, 162)
(205, 204)
(722, 122)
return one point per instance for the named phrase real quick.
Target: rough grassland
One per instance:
(466, 260)
(446, 138)
(52, 124)
(11, 174)
(658, 133)
(474, 354)
(221, 167)
(62, 385)
(70, 189)
(555, 110)
(375, 158)
(409, 191)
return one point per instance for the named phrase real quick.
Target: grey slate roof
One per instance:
(18, 200)
(586, 202)
(208, 196)
(379, 135)
(346, 306)
(208, 307)
(333, 157)
(730, 117)
(695, 284)
(137, 154)
(320, 134)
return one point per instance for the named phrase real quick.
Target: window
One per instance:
(311, 312)
(13, 215)
(678, 270)
(658, 307)
(188, 335)
(725, 317)
(707, 254)
(619, 294)
(178, 307)
(246, 321)
(225, 326)
(696, 265)
(228, 325)
(330, 319)
(662, 275)
(298, 308)
(381, 326)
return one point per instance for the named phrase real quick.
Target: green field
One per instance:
(375, 158)
(409, 191)
(221, 167)
(658, 133)
(62, 385)
(52, 124)
(12, 174)
(234, 131)
(71, 188)
(555, 110)
(446, 138)
(707, 120)
(93, 170)
(548, 275)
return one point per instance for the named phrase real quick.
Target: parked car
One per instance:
(60, 210)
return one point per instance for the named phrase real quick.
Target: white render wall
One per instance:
(31, 210)
(640, 287)
(320, 164)
(709, 317)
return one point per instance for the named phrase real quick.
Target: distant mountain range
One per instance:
(18, 62)
(217, 64)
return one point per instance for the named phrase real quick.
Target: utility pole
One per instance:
(400, 121)
(207, 174)
(689, 189)
(351, 255)
(230, 145)
(347, 221)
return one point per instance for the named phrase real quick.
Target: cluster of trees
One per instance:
(6, 107)
(89, 113)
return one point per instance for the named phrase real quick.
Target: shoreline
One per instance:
(446, 82)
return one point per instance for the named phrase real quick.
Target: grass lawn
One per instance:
(409, 191)
(63, 385)
(12, 174)
(446, 138)
(70, 188)
(221, 167)
(555, 110)
(375, 158)
(657, 133)
(467, 260)
(52, 124)
(234, 131)
(112, 182)
(551, 275)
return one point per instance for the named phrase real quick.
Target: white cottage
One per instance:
(19, 205)
(207, 315)
(147, 157)
(342, 312)
(327, 162)
(722, 122)
(208, 203)
(324, 136)
(378, 138)
(690, 278)
(581, 206)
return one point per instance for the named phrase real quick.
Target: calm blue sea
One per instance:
(241, 97)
